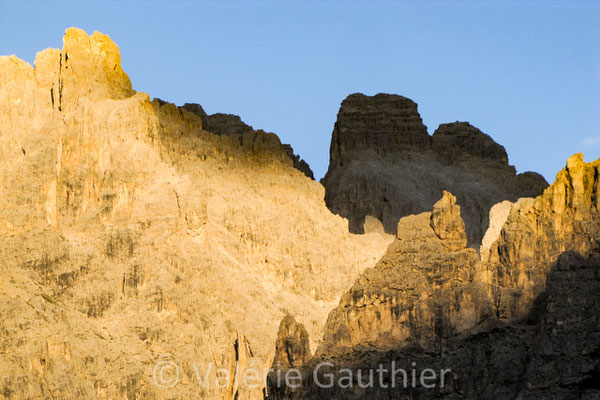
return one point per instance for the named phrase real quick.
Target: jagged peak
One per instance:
(219, 123)
(389, 123)
(576, 185)
(575, 161)
(447, 222)
(232, 124)
(450, 140)
(85, 66)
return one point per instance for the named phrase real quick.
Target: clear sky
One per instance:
(526, 73)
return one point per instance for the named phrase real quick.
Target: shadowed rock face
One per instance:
(379, 125)
(219, 123)
(130, 234)
(520, 322)
(423, 291)
(299, 163)
(292, 349)
(458, 140)
(555, 355)
(384, 164)
(230, 124)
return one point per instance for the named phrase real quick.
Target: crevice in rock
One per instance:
(60, 83)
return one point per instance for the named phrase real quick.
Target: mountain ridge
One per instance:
(384, 164)
(141, 250)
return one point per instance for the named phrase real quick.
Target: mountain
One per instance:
(151, 251)
(230, 124)
(520, 323)
(384, 164)
(131, 236)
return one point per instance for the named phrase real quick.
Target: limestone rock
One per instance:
(447, 223)
(219, 123)
(292, 352)
(422, 292)
(373, 225)
(498, 215)
(460, 139)
(298, 163)
(384, 164)
(230, 124)
(131, 236)
(566, 217)
(564, 352)
(292, 349)
(380, 125)
(521, 324)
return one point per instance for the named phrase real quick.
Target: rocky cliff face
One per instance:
(383, 164)
(219, 123)
(292, 349)
(230, 124)
(133, 239)
(519, 322)
(420, 293)
(565, 217)
(153, 251)
(554, 356)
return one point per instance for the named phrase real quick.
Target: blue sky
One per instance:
(526, 73)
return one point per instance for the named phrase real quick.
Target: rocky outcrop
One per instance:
(298, 163)
(519, 322)
(565, 217)
(554, 356)
(230, 124)
(455, 141)
(565, 351)
(292, 352)
(144, 256)
(140, 251)
(422, 292)
(221, 124)
(379, 126)
(384, 164)
(292, 349)
(447, 223)
(498, 215)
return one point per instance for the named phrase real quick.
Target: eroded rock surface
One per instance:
(554, 356)
(132, 236)
(219, 123)
(384, 164)
(519, 323)
(498, 215)
(565, 217)
(422, 292)
(230, 124)
(292, 349)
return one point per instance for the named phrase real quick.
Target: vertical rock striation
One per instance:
(566, 217)
(518, 322)
(384, 164)
(131, 236)
(422, 292)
